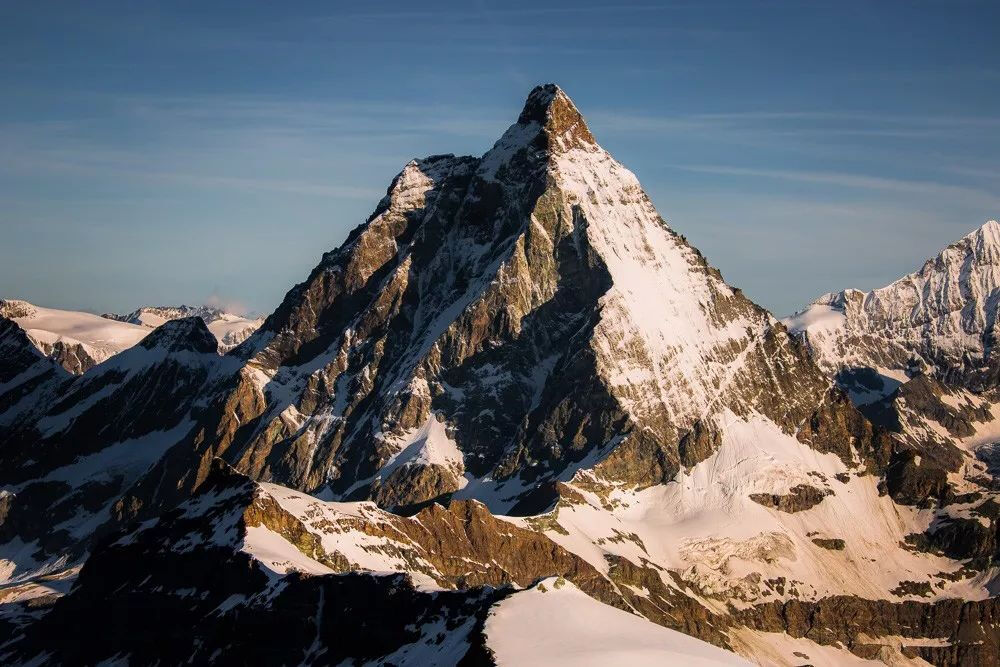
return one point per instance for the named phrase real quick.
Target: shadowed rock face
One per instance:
(150, 599)
(24, 372)
(74, 444)
(968, 631)
(192, 569)
(320, 619)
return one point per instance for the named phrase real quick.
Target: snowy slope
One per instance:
(669, 327)
(939, 319)
(554, 623)
(51, 329)
(705, 526)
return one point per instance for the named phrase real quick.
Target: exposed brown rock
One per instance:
(800, 497)
(831, 543)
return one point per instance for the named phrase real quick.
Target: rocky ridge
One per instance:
(939, 320)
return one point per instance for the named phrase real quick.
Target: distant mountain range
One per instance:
(514, 419)
(229, 329)
(79, 340)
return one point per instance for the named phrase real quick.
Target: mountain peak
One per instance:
(988, 233)
(943, 314)
(552, 108)
(976, 252)
(540, 100)
(186, 333)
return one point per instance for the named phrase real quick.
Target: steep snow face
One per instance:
(229, 329)
(77, 340)
(940, 319)
(671, 331)
(555, 623)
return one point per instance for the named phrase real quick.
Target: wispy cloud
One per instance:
(240, 142)
(797, 122)
(847, 180)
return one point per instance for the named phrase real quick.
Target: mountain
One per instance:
(918, 355)
(514, 388)
(480, 335)
(76, 340)
(937, 321)
(229, 329)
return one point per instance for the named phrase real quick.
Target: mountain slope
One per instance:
(76, 443)
(939, 320)
(76, 340)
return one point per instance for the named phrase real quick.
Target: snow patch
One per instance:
(554, 623)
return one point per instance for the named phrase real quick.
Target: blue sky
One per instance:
(157, 153)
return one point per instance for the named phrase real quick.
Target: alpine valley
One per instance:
(514, 419)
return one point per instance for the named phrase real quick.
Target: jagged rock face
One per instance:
(939, 320)
(499, 322)
(24, 371)
(926, 410)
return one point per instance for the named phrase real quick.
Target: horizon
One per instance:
(160, 156)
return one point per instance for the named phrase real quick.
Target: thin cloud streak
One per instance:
(849, 181)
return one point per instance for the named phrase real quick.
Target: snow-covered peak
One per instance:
(552, 109)
(988, 234)
(540, 267)
(548, 125)
(939, 318)
(184, 334)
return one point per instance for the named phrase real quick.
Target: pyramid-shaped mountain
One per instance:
(499, 323)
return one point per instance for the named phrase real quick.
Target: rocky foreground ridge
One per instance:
(513, 372)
